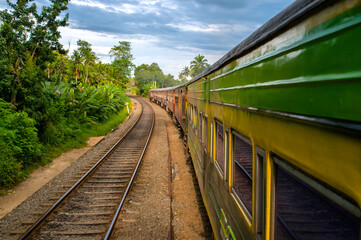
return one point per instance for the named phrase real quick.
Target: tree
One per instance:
(146, 75)
(184, 73)
(88, 56)
(198, 65)
(28, 38)
(76, 64)
(122, 61)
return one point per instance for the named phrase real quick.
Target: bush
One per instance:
(10, 168)
(19, 144)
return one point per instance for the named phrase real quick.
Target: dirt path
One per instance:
(146, 213)
(41, 176)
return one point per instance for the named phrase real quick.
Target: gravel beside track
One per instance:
(26, 213)
(146, 213)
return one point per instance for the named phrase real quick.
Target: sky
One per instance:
(168, 32)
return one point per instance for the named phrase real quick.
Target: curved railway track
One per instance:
(90, 208)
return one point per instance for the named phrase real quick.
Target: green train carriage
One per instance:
(274, 128)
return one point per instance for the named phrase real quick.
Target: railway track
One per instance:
(90, 208)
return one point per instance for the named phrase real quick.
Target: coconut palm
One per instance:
(77, 63)
(198, 65)
(186, 72)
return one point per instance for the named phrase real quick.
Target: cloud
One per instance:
(170, 32)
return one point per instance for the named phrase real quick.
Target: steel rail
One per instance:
(76, 185)
(112, 225)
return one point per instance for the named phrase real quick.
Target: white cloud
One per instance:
(145, 6)
(197, 27)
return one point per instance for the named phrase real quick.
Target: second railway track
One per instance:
(89, 209)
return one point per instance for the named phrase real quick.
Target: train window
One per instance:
(195, 120)
(183, 106)
(200, 117)
(301, 212)
(219, 145)
(204, 131)
(191, 115)
(242, 170)
(176, 99)
(226, 151)
(259, 192)
(212, 140)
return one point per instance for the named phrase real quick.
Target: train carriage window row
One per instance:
(242, 170)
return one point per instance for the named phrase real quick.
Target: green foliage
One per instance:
(151, 76)
(197, 65)
(26, 35)
(122, 60)
(76, 106)
(19, 145)
(48, 99)
(186, 72)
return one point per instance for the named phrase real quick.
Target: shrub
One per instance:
(19, 144)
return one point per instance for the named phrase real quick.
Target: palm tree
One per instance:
(77, 61)
(198, 65)
(186, 72)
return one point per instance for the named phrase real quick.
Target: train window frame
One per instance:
(216, 148)
(311, 182)
(191, 115)
(195, 120)
(245, 210)
(260, 192)
(226, 155)
(205, 132)
(200, 127)
(212, 141)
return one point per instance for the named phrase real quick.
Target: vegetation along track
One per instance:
(89, 209)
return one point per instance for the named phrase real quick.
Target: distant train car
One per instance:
(274, 127)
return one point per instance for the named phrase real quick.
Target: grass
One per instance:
(97, 130)
(51, 152)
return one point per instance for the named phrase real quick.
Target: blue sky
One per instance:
(169, 32)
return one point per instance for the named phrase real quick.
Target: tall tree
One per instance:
(186, 72)
(198, 65)
(27, 39)
(88, 56)
(76, 64)
(146, 75)
(122, 61)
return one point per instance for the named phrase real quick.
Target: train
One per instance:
(274, 127)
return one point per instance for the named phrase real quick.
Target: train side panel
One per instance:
(275, 134)
(285, 107)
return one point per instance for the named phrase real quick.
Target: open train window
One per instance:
(219, 146)
(302, 212)
(242, 170)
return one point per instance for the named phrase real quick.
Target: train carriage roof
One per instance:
(291, 15)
